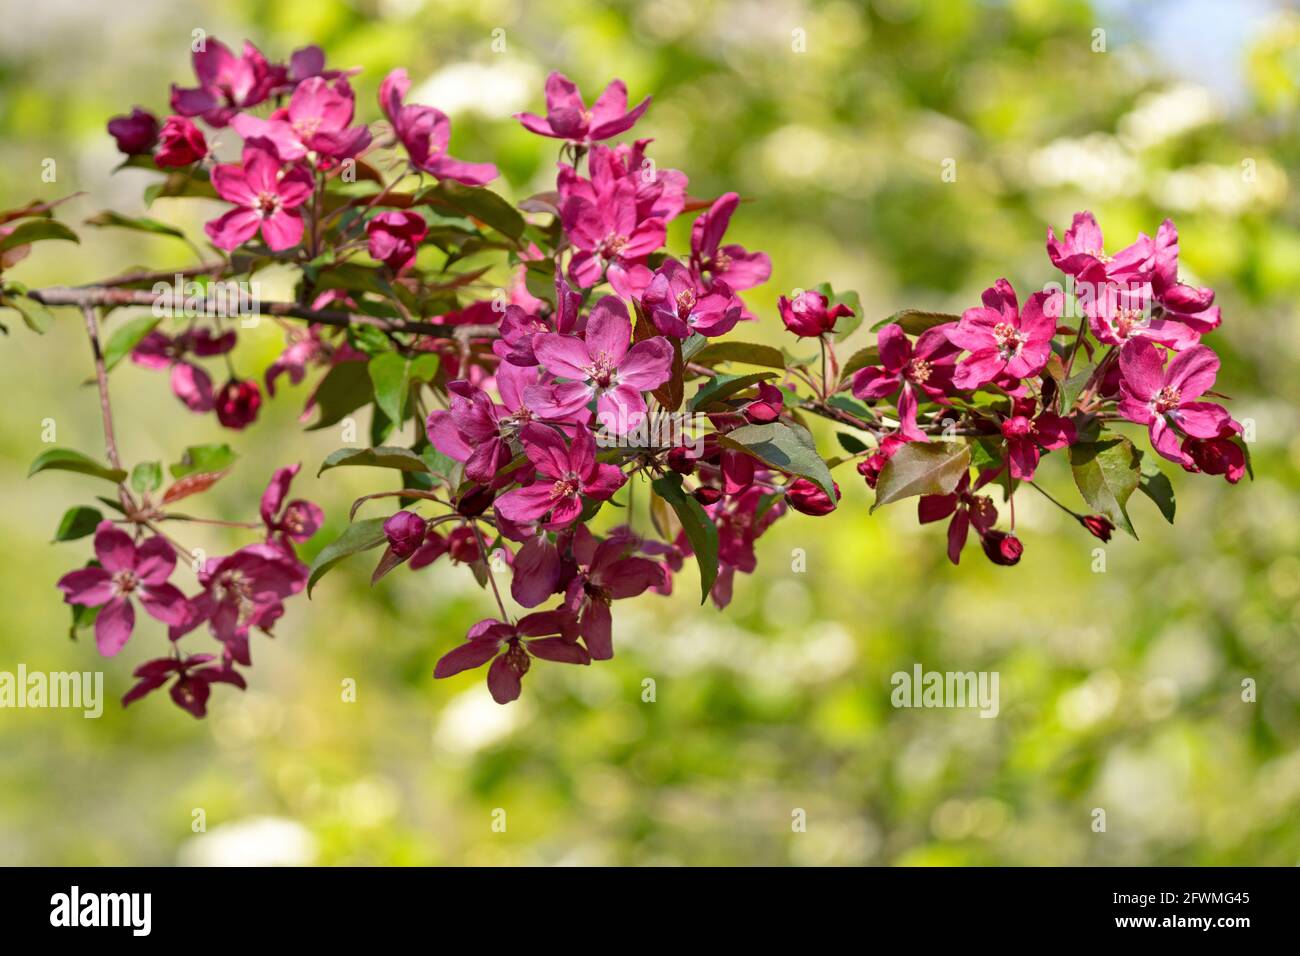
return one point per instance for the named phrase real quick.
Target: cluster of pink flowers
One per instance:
(539, 404)
(236, 594)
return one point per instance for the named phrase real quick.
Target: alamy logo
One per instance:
(103, 909)
(79, 690)
(923, 688)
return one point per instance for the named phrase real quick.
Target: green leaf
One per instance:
(850, 443)
(204, 459)
(344, 389)
(360, 536)
(1072, 386)
(1107, 473)
(1155, 484)
(108, 218)
(870, 355)
(747, 353)
(36, 230)
(724, 386)
(146, 476)
(921, 468)
(35, 315)
(784, 446)
(916, 321)
(126, 337)
(64, 459)
(403, 459)
(476, 202)
(391, 375)
(77, 523)
(700, 530)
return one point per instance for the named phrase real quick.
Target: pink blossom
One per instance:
(730, 264)
(180, 143)
(1081, 253)
(394, 238)
(679, 306)
(547, 635)
(227, 83)
(565, 475)
(966, 508)
(568, 118)
(1164, 399)
(265, 199)
(286, 522)
(926, 367)
(808, 315)
(603, 367)
(1002, 339)
(125, 570)
(136, 133)
(425, 133)
(612, 239)
(194, 675)
(1025, 433)
(191, 383)
(237, 403)
(318, 119)
(605, 573)
(241, 591)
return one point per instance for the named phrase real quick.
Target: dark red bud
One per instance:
(1098, 525)
(1002, 548)
(708, 496)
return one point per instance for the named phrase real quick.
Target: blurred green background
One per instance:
(1119, 690)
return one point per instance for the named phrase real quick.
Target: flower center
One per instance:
(603, 372)
(1126, 320)
(565, 486)
(919, 370)
(125, 581)
(721, 263)
(267, 204)
(612, 246)
(1008, 338)
(685, 302)
(1166, 399)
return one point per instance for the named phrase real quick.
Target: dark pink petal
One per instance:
(597, 630)
(165, 602)
(1193, 372)
(113, 626)
(114, 548)
(155, 560)
(647, 365)
(565, 355)
(603, 481)
(193, 387)
(90, 586)
(1202, 419)
(935, 507)
(958, 529)
(536, 572)
(895, 349)
(526, 504)
(465, 657)
(503, 680)
(609, 330)
(1142, 365)
(559, 649)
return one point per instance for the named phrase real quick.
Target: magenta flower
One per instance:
(679, 306)
(190, 382)
(966, 508)
(317, 120)
(125, 571)
(568, 118)
(565, 475)
(227, 83)
(809, 316)
(660, 193)
(1002, 339)
(612, 240)
(1026, 433)
(603, 367)
(1164, 399)
(546, 635)
(135, 134)
(1081, 253)
(265, 199)
(606, 573)
(536, 566)
(1117, 313)
(925, 367)
(394, 238)
(237, 403)
(807, 497)
(296, 520)
(1215, 456)
(194, 675)
(730, 264)
(425, 133)
(241, 591)
(180, 143)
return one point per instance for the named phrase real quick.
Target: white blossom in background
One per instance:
(258, 841)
